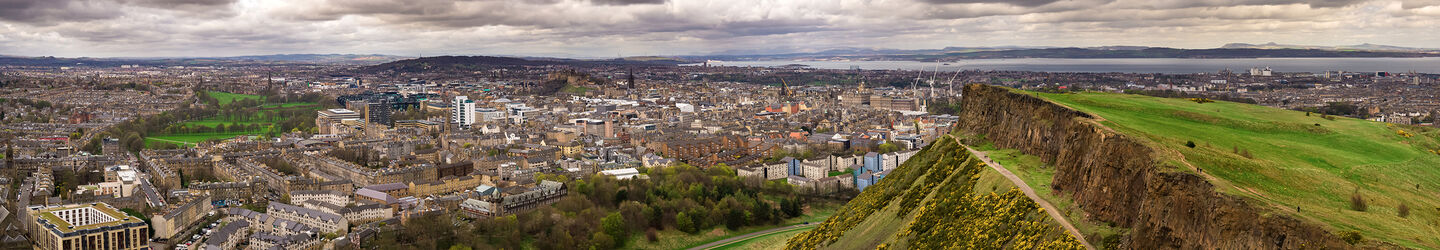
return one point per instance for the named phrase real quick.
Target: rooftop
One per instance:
(83, 217)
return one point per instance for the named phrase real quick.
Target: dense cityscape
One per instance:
(719, 125)
(326, 156)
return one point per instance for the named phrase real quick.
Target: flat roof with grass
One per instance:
(67, 219)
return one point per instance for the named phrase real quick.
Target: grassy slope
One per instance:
(1039, 176)
(1295, 162)
(884, 225)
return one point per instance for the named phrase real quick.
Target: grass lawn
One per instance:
(773, 241)
(577, 90)
(226, 98)
(185, 139)
(1298, 160)
(287, 105)
(189, 139)
(675, 239)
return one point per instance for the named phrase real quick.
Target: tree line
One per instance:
(602, 212)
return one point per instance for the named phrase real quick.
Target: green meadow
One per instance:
(226, 98)
(262, 120)
(1286, 159)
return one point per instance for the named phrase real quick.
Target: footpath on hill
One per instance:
(1030, 192)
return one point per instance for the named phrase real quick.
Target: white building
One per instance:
(328, 196)
(814, 170)
(323, 221)
(120, 181)
(489, 114)
(463, 111)
(367, 213)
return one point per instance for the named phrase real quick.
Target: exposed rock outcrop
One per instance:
(1116, 179)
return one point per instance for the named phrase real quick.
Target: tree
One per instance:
(684, 223)
(1357, 202)
(735, 218)
(889, 147)
(600, 240)
(1404, 210)
(614, 225)
(791, 207)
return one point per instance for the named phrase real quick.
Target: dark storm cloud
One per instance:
(47, 12)
(603, 27)
(51, 11)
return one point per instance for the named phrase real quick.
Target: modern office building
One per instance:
(87, 226)
(462, 112)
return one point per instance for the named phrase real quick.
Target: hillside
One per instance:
(943, 197)
(1256, 177)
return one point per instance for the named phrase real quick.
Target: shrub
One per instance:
(1404, 210)
(651, 235)
(1357, 202)
(1352, 237)
(1190, 144)
(1246, 154)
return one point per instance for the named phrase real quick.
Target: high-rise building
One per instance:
(462, 112)
(377, 113)
(87, 226)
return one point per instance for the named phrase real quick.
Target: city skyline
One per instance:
(610, 28)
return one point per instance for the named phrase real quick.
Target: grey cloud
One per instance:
(1027, 3)
(626, 2)
(47, 12)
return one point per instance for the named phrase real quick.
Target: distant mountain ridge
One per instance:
(470, 63)
(1359, 47)
(1233, 50)
(350, 59)
(319, 58)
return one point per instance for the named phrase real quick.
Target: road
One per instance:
(1049, 209)
(727, 241)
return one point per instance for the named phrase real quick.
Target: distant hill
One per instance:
(470, 63)
(82, 61)
(1360, 47)
(318, 58)
(1176, 53)
(1234, 50)
(193, 61)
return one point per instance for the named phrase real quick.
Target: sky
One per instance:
(610, 28)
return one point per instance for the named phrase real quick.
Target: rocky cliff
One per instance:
(1115, 178)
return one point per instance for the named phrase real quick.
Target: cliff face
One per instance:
(1118, 180)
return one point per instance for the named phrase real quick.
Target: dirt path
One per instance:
(1049, 209)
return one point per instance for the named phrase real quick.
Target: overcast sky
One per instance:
(607, 28)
